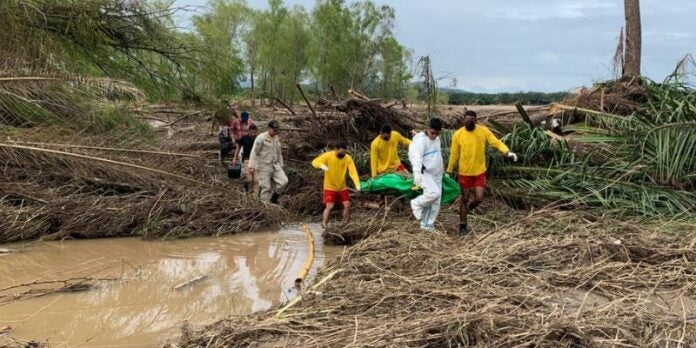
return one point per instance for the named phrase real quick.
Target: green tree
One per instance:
(220, 67)
(353, 47)
(276, 48)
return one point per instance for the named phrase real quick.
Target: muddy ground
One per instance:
(543, 279)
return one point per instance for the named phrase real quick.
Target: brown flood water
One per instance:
(242, 274)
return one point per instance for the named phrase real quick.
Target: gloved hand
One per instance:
(512, 155)
(417, 179)
(416, 188)
(358, 188)
(324, 167)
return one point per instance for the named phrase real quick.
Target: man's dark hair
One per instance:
(470, 113)
(385, 129)
(341, 145)
(435, 123)
(253, 126)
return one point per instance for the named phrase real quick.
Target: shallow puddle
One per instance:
(158, 285)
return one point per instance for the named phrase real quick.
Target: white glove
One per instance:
(324, 167)
(512, 155)
(417, 179)
(358, 189)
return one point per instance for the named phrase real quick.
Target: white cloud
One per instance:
(549, 57)
(508, 45)
(490, 83)
(668, 34)
(565, 9)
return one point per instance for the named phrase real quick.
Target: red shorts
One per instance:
(336, 196)
(470, 181)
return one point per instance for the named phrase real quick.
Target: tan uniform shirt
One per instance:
(266, 151)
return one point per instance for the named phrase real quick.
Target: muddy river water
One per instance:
(155, 286)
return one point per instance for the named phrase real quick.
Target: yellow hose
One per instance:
(310, 259)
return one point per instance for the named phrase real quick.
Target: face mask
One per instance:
(340, 155)
(470, 126)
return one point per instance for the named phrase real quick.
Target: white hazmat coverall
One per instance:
(428, 168)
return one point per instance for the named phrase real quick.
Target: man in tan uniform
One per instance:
(266, 161)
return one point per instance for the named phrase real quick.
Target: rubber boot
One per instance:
(462, 230)
(274, 198)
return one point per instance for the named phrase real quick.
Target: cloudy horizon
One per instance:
(535, 45)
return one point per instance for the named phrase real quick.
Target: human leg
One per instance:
(430, 201)
(346, 211)
(326, 214)
(280, 181)
(264, 176)
(479, 193)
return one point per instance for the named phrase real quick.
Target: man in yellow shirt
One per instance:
(336, 164)
(384, 154)
(468, 153)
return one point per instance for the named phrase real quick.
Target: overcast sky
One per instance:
(540, 45)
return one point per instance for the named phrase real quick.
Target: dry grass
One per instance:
(55, 196)
(550, 280)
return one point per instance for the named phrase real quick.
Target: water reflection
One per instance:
(237, 275)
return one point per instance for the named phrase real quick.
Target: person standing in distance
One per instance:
(266, 162)
(425, 154)
(468, 154)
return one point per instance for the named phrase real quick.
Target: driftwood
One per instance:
(190, 282)
(99, 159)
(304, 96)
(558, 108)
(358, 95)
(184, 117)
(333, 91)
(285, 105)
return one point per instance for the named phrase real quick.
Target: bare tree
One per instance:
(632, 56)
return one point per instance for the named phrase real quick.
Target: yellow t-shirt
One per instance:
(384, 155)
(468, 150)
(335, 177)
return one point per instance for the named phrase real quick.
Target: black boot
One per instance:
(462, 230)
(274, 198)
(246, 187)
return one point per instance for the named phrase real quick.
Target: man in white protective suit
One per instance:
(425, 155)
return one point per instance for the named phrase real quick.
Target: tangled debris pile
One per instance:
(58, 194)
(546, 281)
(641, 164)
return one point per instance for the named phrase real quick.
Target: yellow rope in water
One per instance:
(310, 258)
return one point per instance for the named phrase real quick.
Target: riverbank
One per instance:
(545, 279)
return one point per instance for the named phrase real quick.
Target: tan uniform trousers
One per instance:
(272, 179)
